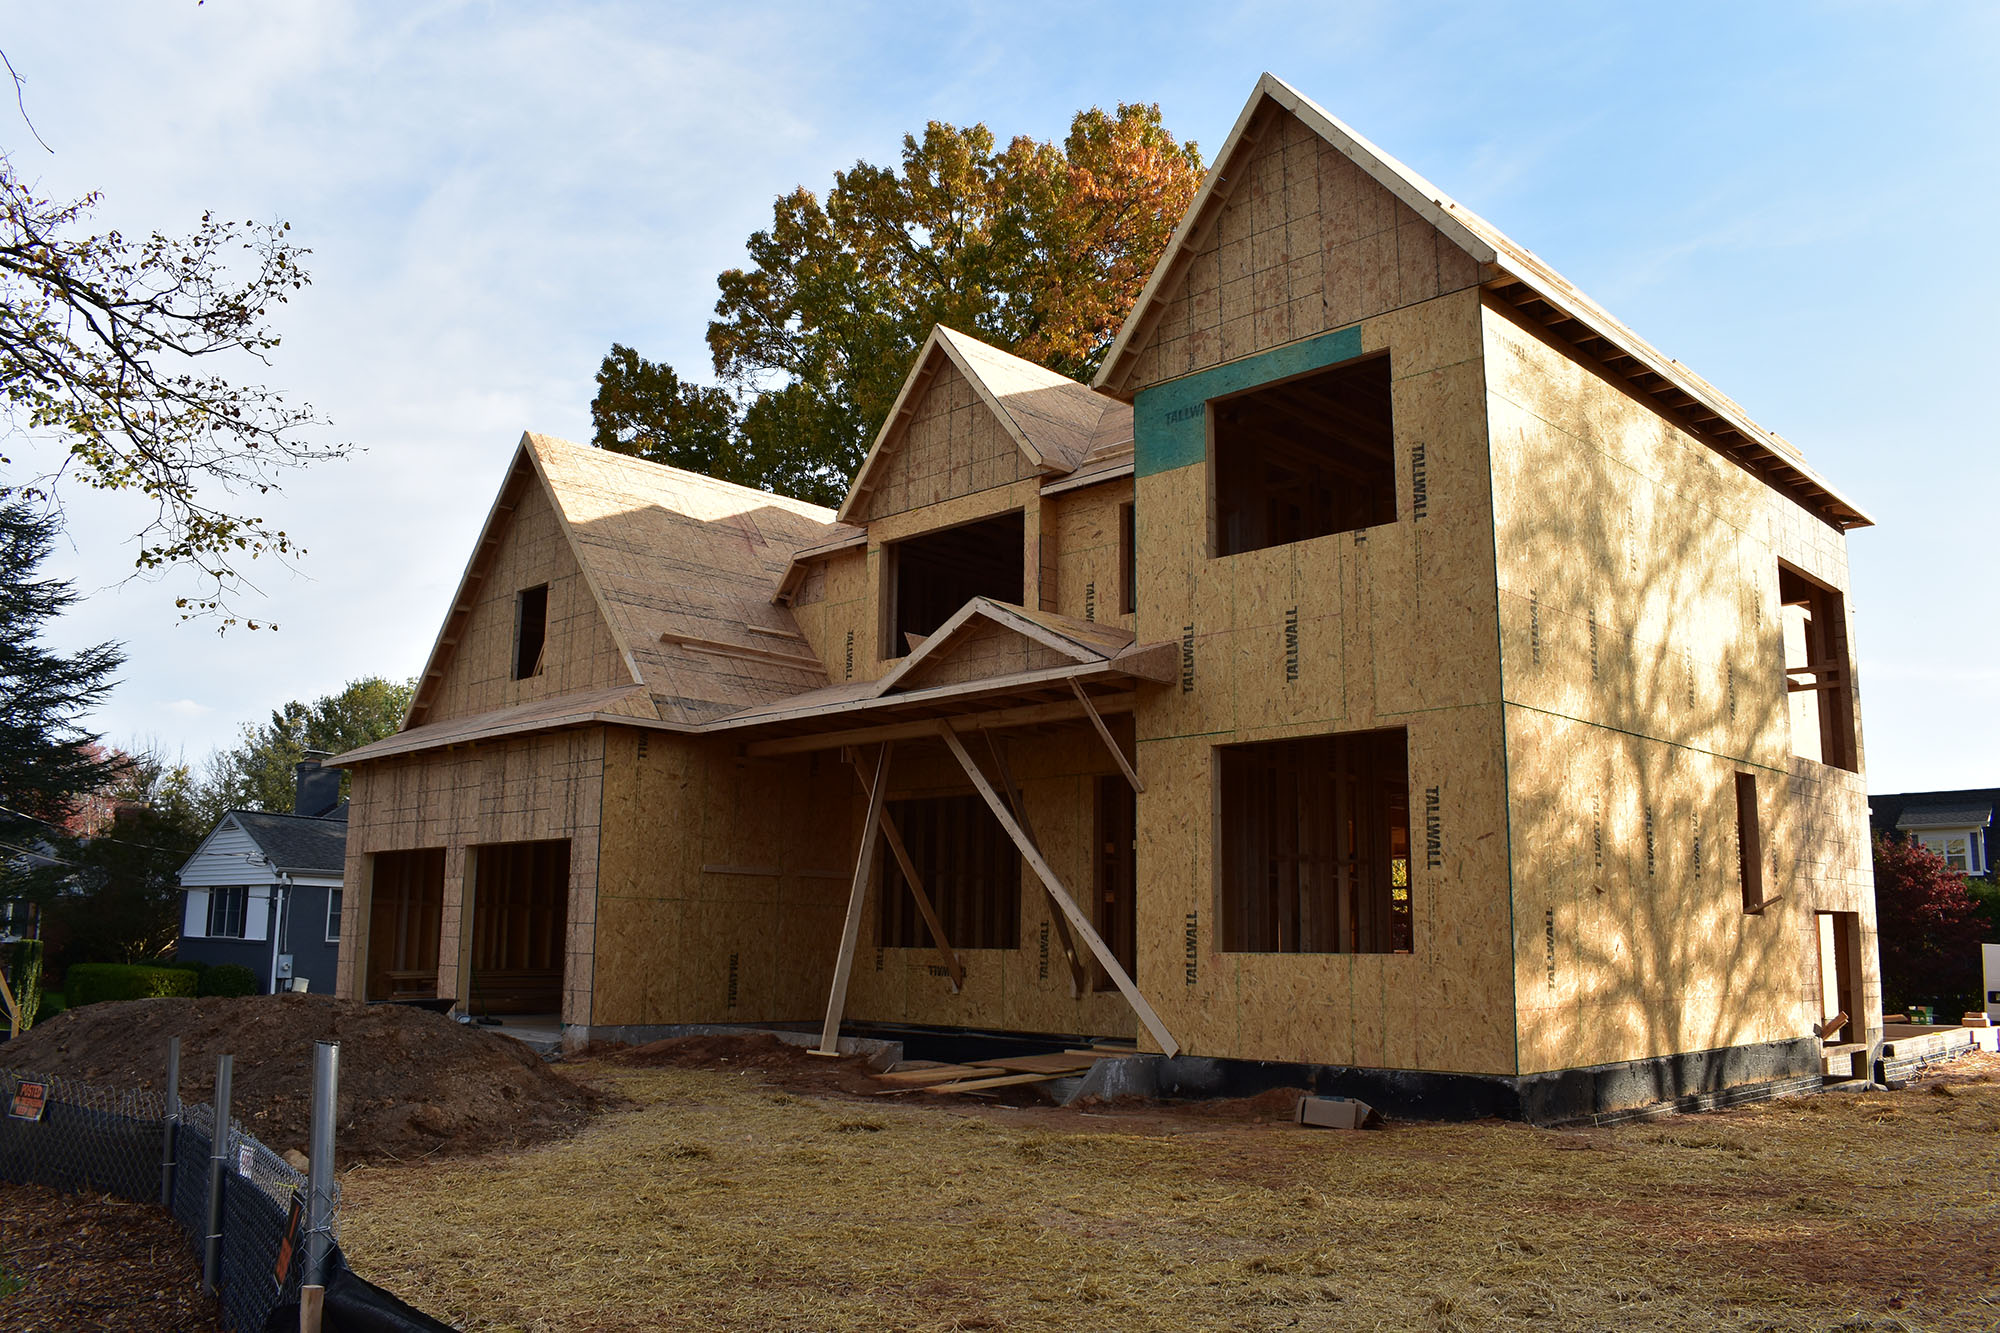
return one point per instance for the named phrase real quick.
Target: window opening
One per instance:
(227, 908)
(1305, 458)
(1819, 678)
(333, 916)
(1128, 559)
(531, 623)
(1315, 844)
(968, 865)
(1749, 844)
(929, 578)
(1117, 874)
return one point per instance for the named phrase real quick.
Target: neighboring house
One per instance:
(264, 890)
(1394, 669)
(1957, 825)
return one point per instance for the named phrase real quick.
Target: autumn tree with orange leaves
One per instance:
(1038, 248)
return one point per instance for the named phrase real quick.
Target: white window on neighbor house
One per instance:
(333, 916)
(227, 908)
(1962, 849)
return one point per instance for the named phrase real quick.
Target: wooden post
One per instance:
(850, 932)
(894, 836)
(1131, 774)
(1054, 885)
(13, 1009)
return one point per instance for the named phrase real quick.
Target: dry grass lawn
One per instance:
(720, 1201)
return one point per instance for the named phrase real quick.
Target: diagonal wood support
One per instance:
(1054, 885)
(850, 931)
(894, 836)
(1079, 975)
(1131, 774)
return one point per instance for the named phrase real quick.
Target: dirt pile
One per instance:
(412, 1084)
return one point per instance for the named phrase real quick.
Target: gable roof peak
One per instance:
(1052, 419)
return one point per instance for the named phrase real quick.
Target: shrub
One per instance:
(53, 1003)
(24, 978)
(89, 983)
(227, 979)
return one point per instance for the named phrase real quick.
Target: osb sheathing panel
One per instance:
(1081, 546)
(1390, 626)
(951, 445)
(1357, 626)
(578, 652)
(723, 883)
(522, 789)
(1642, 637)
(1447, 1006)
(1631, 939)
(1305, 243)
(832, 606)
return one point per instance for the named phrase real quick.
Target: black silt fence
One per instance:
(93, 1141)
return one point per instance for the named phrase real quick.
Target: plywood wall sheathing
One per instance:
(1643, 662)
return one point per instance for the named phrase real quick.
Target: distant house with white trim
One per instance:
(1957, 825)
(264, 890)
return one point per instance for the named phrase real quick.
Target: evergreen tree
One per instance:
(48, 762)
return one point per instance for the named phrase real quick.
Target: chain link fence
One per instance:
(100, 1141)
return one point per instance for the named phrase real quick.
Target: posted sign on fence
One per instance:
(30, 1100)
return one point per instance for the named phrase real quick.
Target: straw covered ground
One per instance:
(718, 1199)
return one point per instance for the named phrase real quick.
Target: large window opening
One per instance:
(405, 914)
(520, 917)
(969, 867)
(1305, 458)
(932, 576)
(1117, 877)
(531, 627)
(1315, 844)
(1819, 677)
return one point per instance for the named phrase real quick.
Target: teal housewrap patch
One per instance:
(1170, 421)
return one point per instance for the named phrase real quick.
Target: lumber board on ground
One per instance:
(998, 1081)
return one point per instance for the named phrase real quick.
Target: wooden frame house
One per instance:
(1393, 671)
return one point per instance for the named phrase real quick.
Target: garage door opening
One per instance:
(520, 924)
(406, 911)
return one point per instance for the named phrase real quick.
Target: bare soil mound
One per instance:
(412, 1084)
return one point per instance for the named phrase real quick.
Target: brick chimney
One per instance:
(318, 788)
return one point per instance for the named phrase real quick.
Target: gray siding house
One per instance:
(264, 890)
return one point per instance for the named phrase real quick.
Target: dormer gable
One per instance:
(971, 417)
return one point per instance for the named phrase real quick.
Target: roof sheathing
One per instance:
(1580, 326)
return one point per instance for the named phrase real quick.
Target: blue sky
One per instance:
(1790, 198)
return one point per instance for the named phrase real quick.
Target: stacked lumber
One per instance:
(988, 1075)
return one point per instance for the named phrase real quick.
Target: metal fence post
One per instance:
(173, 1123)
(211, 1249)
(319, 1183)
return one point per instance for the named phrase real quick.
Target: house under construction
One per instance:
(1391, 665)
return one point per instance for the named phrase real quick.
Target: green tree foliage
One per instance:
(258, 774)
(107, 349)
(1929, 927)
(1038, 248)
(48, 763)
